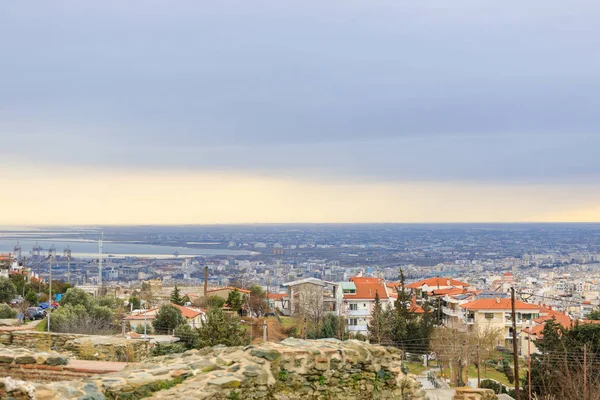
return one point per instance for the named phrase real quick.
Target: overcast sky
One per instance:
(353, 102)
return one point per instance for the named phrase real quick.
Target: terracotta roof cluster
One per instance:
(437, 282)
(498, 304)
(276, 296)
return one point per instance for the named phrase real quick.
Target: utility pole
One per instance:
(529, 361)
(100, 262)
(51, 253)
(515, 346)
(585, 396)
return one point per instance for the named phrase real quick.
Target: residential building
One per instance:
(496, 313)
(194, 316)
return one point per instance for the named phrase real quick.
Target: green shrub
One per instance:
(6, 311)
(168, 348)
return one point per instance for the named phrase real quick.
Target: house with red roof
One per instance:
(194, 316)
(496, 313)
(437, 283)
(359, 300)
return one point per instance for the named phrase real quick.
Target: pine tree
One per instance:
(377, 325)
(176, 296)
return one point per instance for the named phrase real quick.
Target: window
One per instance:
(353, 307)
(489, 315)
(353, 321)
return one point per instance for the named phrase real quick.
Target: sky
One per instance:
(169, 112)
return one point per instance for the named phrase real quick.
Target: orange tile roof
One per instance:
(187, 312)
(436, 282)
(229, 288)
(498, 304)
(366, 288)
(449, 291)
(276, 296)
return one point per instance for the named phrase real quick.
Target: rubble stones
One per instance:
(291, 370)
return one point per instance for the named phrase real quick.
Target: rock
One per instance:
(25, 360)
(57, 361)
(270, 355)
(180, 373)
(6, 359)
(226, 382)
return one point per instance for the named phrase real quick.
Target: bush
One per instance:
(168, 348)
(7, 312)
(489, 384)
(187, 336)
(140, 329)
(81, 313)
(508, 371)
(221, 328)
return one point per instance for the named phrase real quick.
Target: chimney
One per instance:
(498, 300)
(205, 281)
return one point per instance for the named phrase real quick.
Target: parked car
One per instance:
(34, 313)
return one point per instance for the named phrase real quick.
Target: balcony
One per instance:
(450, 311)
(358, 313)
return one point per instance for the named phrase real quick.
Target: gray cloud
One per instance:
(387, 91)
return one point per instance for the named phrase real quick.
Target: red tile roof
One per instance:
(276, 296)
(229, 288)
(498, 304)
(436, 282)
(366, 288)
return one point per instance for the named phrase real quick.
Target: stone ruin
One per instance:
(291, 370)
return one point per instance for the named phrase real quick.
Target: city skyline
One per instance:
(226, 113)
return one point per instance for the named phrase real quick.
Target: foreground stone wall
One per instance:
(88, 347)
(474, 394)
(290, 370)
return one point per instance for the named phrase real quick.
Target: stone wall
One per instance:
(88, 347)
(474, 394)
(290, 370)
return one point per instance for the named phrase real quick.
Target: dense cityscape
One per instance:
(407, 286)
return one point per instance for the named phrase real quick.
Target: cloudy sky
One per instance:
(310, 111)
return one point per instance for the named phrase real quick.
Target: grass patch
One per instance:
(490, 374)
(42, 326)
(416, 368)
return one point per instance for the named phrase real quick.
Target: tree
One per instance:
(215, 302)
(378, 325)
(31, 297)
(558, 370)
(168, 318)
(134, 302)
(176, 296)
(595, 314)
(221, 328)
(257, 301)
(8, 291)
(76, 296)
(82, 313)
(235, 300)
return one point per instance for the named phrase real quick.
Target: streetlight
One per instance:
(51, 254)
